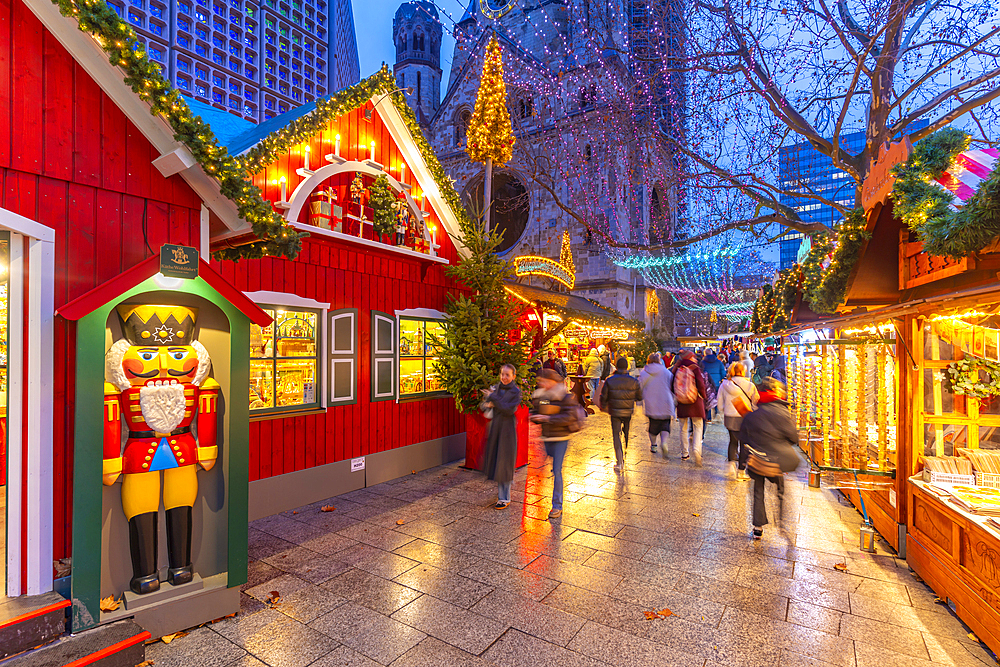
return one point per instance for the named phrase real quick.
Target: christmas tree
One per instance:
(383, 203)
(490, 137)
(479, 333)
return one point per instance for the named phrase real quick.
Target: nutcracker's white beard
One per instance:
(162, 405)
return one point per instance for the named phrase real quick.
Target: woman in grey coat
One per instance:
(501, 440)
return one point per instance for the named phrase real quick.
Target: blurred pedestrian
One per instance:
(747, 363)
(737, 396)
(592, 371)
(618, 396)
(769, 451)
(555, 409)
(500, 455)
(605, 361)
(689, 395)
(715, 371)
(657, 400)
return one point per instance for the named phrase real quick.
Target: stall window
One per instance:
(343, 357)
(383, 348)
(417, 355)
(284, 362)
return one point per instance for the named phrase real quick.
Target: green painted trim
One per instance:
(394, 356)
(331, 356)
(85, 583)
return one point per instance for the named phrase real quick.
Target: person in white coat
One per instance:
(657, 400)
(747, 364)
(736, 388)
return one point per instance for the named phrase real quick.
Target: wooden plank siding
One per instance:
(71, 160)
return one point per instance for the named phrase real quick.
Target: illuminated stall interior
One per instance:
(843, 392)
(417, 355)
(283, 361)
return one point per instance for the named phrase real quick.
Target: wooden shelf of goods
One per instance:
(958, 557)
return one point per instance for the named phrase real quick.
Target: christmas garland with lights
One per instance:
(829, 293)
(927, 209)
(964, 377)
(119, 42)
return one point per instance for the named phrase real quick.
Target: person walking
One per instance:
(618, 397)
(500, 456)
(592, 371)
(715, 371)
(737, 396)
(769, 451)
(688, 385)
(553, 406)
(747, 363)
(657, 400)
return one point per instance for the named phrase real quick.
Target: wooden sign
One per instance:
(178, 261)
(880, 180)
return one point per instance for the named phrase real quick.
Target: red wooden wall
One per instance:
(348, 276)
(70, 160)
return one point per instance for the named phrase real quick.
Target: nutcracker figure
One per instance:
(402, 215)
(157, 378)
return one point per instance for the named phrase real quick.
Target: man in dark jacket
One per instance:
(618, 397)
(771, 439)
(556, 364)
(605, 362)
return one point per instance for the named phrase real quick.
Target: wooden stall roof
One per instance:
(874, 281)
(564, 304)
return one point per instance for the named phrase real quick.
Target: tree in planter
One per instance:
(383, 203)
(479, 333)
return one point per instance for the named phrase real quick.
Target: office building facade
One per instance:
(257, 60)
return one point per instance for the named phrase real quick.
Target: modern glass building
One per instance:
(801, 168)
(254, 59)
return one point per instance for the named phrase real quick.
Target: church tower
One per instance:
(416, 31)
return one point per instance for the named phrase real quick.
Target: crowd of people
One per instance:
(689, 387)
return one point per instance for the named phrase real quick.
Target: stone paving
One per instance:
(422, 571)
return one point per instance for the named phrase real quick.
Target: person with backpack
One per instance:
(556, 409)
(619, 394)
(737, 396)
(689, 395)
(770, 449)
(657, 400)
(761, 370)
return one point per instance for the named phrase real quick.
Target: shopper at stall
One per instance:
(605, 362)
(737, 396)
(747, 361)
(715, 371)
(592, 371)
(501, 440)
(657, 400)
(618, 396)
(555, 363)
(689, 396)
(770, 448)
(555, 409)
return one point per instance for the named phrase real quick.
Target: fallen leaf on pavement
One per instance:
(973, 637)
(110, 603)
(273, 597)
(295, 511)
(327, 508)
(413, 472)
(664, 613)
(650, 615)
(166, 639)
(842, 567)
(400, 522)
(694, 514)
(146, 663)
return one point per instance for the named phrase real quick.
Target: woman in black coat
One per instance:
(501, 440)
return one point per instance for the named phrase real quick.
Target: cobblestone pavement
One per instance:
(423, 571)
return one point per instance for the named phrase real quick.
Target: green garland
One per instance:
(926, 207)
(277, 237)
(119, 41)
(826, 296)
(964, 377)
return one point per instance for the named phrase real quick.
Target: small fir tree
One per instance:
(383, 203)
(490, 138)
(479, 333)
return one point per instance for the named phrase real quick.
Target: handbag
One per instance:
(762, 467)
(742, 407)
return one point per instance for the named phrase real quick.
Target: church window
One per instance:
(588, 153)
(418, 42)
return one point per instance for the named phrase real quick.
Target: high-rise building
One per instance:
(803, 169)
(254, 59)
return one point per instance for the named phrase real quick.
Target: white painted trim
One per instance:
(18, 224)
(41, 313)
(350, 238)
(93, 60)
(15, 397)
(415, 161)
(285, 299)
(205, 234)
(175, 161)
(423, 313)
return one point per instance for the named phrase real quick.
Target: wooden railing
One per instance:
(916, 267)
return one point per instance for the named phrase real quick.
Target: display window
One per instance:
(284, 361)
(417, 354)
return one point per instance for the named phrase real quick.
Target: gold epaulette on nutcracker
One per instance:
(210, 384)
(110, 389)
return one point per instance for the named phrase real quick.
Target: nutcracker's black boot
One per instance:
(179, 545)
(142, 537)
